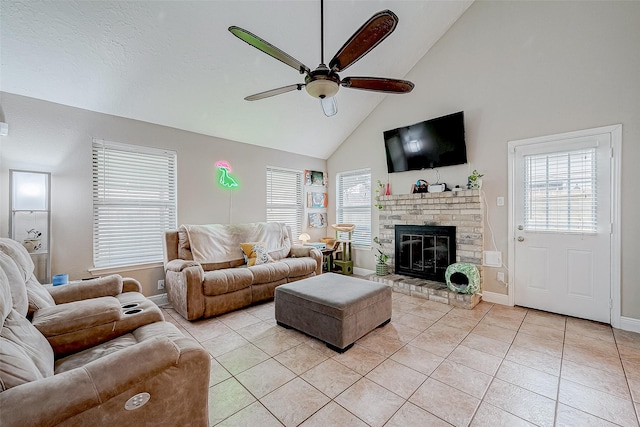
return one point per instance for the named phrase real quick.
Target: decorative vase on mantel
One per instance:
(382, 269)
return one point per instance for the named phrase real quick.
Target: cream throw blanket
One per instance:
(214, 243)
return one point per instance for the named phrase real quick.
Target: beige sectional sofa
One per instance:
(207, 273)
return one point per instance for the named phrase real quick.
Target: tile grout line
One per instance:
(408, 343)
(626, 377)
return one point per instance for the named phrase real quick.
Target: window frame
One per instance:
(123, 184)
(361, 239)
(297, 207)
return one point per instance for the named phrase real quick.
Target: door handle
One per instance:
(520, 239)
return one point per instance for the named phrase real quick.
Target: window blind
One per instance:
(134, 202)
(284, 198)
(560, 191)
(353, 204)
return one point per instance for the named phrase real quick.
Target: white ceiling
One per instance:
(174, 63)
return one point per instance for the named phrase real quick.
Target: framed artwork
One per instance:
(316, 200)
(316, 178)
(318, 220)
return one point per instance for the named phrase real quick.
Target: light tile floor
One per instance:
(432, 365)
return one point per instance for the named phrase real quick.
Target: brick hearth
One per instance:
(427, 289)
(462, 210)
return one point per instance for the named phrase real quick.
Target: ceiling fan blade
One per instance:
(378, 84)
(273, 92)
(370, 35)
(268, 48)
(329, 106)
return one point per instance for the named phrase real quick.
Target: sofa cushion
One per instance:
(15, 281)
(6, 304)
(141, 334)
(210, 266)
(37, 296)
(256, 253)
(16, 368)
(184, 249)
(220, 282)
(213, 243)
(25, 355)
(268, 273)
(300, 266)
(20, 256)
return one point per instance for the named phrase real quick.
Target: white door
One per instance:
(563, 224)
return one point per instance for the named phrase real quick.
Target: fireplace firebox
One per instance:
(424, 251)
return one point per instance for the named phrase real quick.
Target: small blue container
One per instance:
(60, 279)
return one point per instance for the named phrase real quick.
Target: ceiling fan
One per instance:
(323, 82)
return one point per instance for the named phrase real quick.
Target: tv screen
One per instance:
(429, 144)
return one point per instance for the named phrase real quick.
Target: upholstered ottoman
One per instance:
(334, 308)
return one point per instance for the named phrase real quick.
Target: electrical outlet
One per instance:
(500, 277)
(161, 284)
(500, 201)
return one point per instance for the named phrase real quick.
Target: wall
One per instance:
(519, 70)
(50, 137)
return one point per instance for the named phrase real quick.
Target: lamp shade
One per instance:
(30, 190)
(304, 238)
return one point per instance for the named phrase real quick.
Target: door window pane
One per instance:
(560, 191)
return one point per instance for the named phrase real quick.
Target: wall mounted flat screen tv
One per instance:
(429, 144)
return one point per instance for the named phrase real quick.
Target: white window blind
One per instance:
(134, 202)
(353, 204)
(284, 198)
(560, 191)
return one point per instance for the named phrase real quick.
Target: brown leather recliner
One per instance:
(153, 375)
(78, 315)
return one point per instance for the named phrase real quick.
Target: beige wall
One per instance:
(519, 70)
(50, 137)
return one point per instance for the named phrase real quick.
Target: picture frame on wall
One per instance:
(316, 200)
(315, 178)
(317, 220)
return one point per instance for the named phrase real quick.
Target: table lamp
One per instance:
(304, 237)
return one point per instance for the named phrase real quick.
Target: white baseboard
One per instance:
(362, 271)
(629, 324)
(159, 300)
(495, 298)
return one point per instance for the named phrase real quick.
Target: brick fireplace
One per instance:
(462, 210)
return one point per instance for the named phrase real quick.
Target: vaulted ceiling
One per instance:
(174, 63)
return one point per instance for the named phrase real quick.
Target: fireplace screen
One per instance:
(424, 251)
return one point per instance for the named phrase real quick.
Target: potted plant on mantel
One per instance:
(474, 182)
(382, 268)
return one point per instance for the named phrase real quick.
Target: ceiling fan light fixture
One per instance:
(329, 106)
(322, 88)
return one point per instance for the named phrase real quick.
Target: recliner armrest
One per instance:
(76, 316)
(131, 285)
(298, 251)
(86, 289)
(52, 400)
(178, 265)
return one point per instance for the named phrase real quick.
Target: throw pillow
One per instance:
(256, 252)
